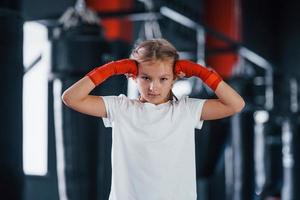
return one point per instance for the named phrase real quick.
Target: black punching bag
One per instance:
(83, 145)
(11, 75)
(74, 52)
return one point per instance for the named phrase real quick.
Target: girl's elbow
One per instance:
(66, 99)
(240, 106)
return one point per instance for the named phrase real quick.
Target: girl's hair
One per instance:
(155, 49)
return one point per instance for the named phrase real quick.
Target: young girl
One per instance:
(153, 150)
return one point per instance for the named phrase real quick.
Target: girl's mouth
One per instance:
(153, 95)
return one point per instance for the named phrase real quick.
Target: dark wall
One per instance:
(11, 72)
(289, 36)
(271, 29)
(45, 9)
(261, 27)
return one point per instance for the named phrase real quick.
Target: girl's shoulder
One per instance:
(190, 102)
(125, 100)
(185, 99)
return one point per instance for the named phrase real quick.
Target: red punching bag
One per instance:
(225, 18)
(115, 29)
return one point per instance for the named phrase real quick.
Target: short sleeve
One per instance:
(195, 108)
(113, 104)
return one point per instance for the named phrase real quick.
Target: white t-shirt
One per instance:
(153, 148)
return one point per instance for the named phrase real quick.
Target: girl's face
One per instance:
(155, 80)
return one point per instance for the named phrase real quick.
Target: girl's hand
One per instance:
(124, 66)
(189, 68)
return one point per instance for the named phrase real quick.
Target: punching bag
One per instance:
(82, 143)
(224, 18)
(74, 52)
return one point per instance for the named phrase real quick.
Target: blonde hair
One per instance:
(155, 49)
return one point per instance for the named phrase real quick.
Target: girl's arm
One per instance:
(229, 101)
(77, 96)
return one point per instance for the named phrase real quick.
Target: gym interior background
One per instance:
(49, 152)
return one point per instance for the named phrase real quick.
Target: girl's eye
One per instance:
(164, 79)
(145, 78)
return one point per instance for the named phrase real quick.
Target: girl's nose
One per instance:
(153, 86)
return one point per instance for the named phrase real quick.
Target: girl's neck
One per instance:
(170, 97)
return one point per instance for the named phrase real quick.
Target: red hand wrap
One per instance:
(209, 77)
(100, 74)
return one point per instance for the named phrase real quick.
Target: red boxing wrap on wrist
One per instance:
(209, 77)
(100, 74)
